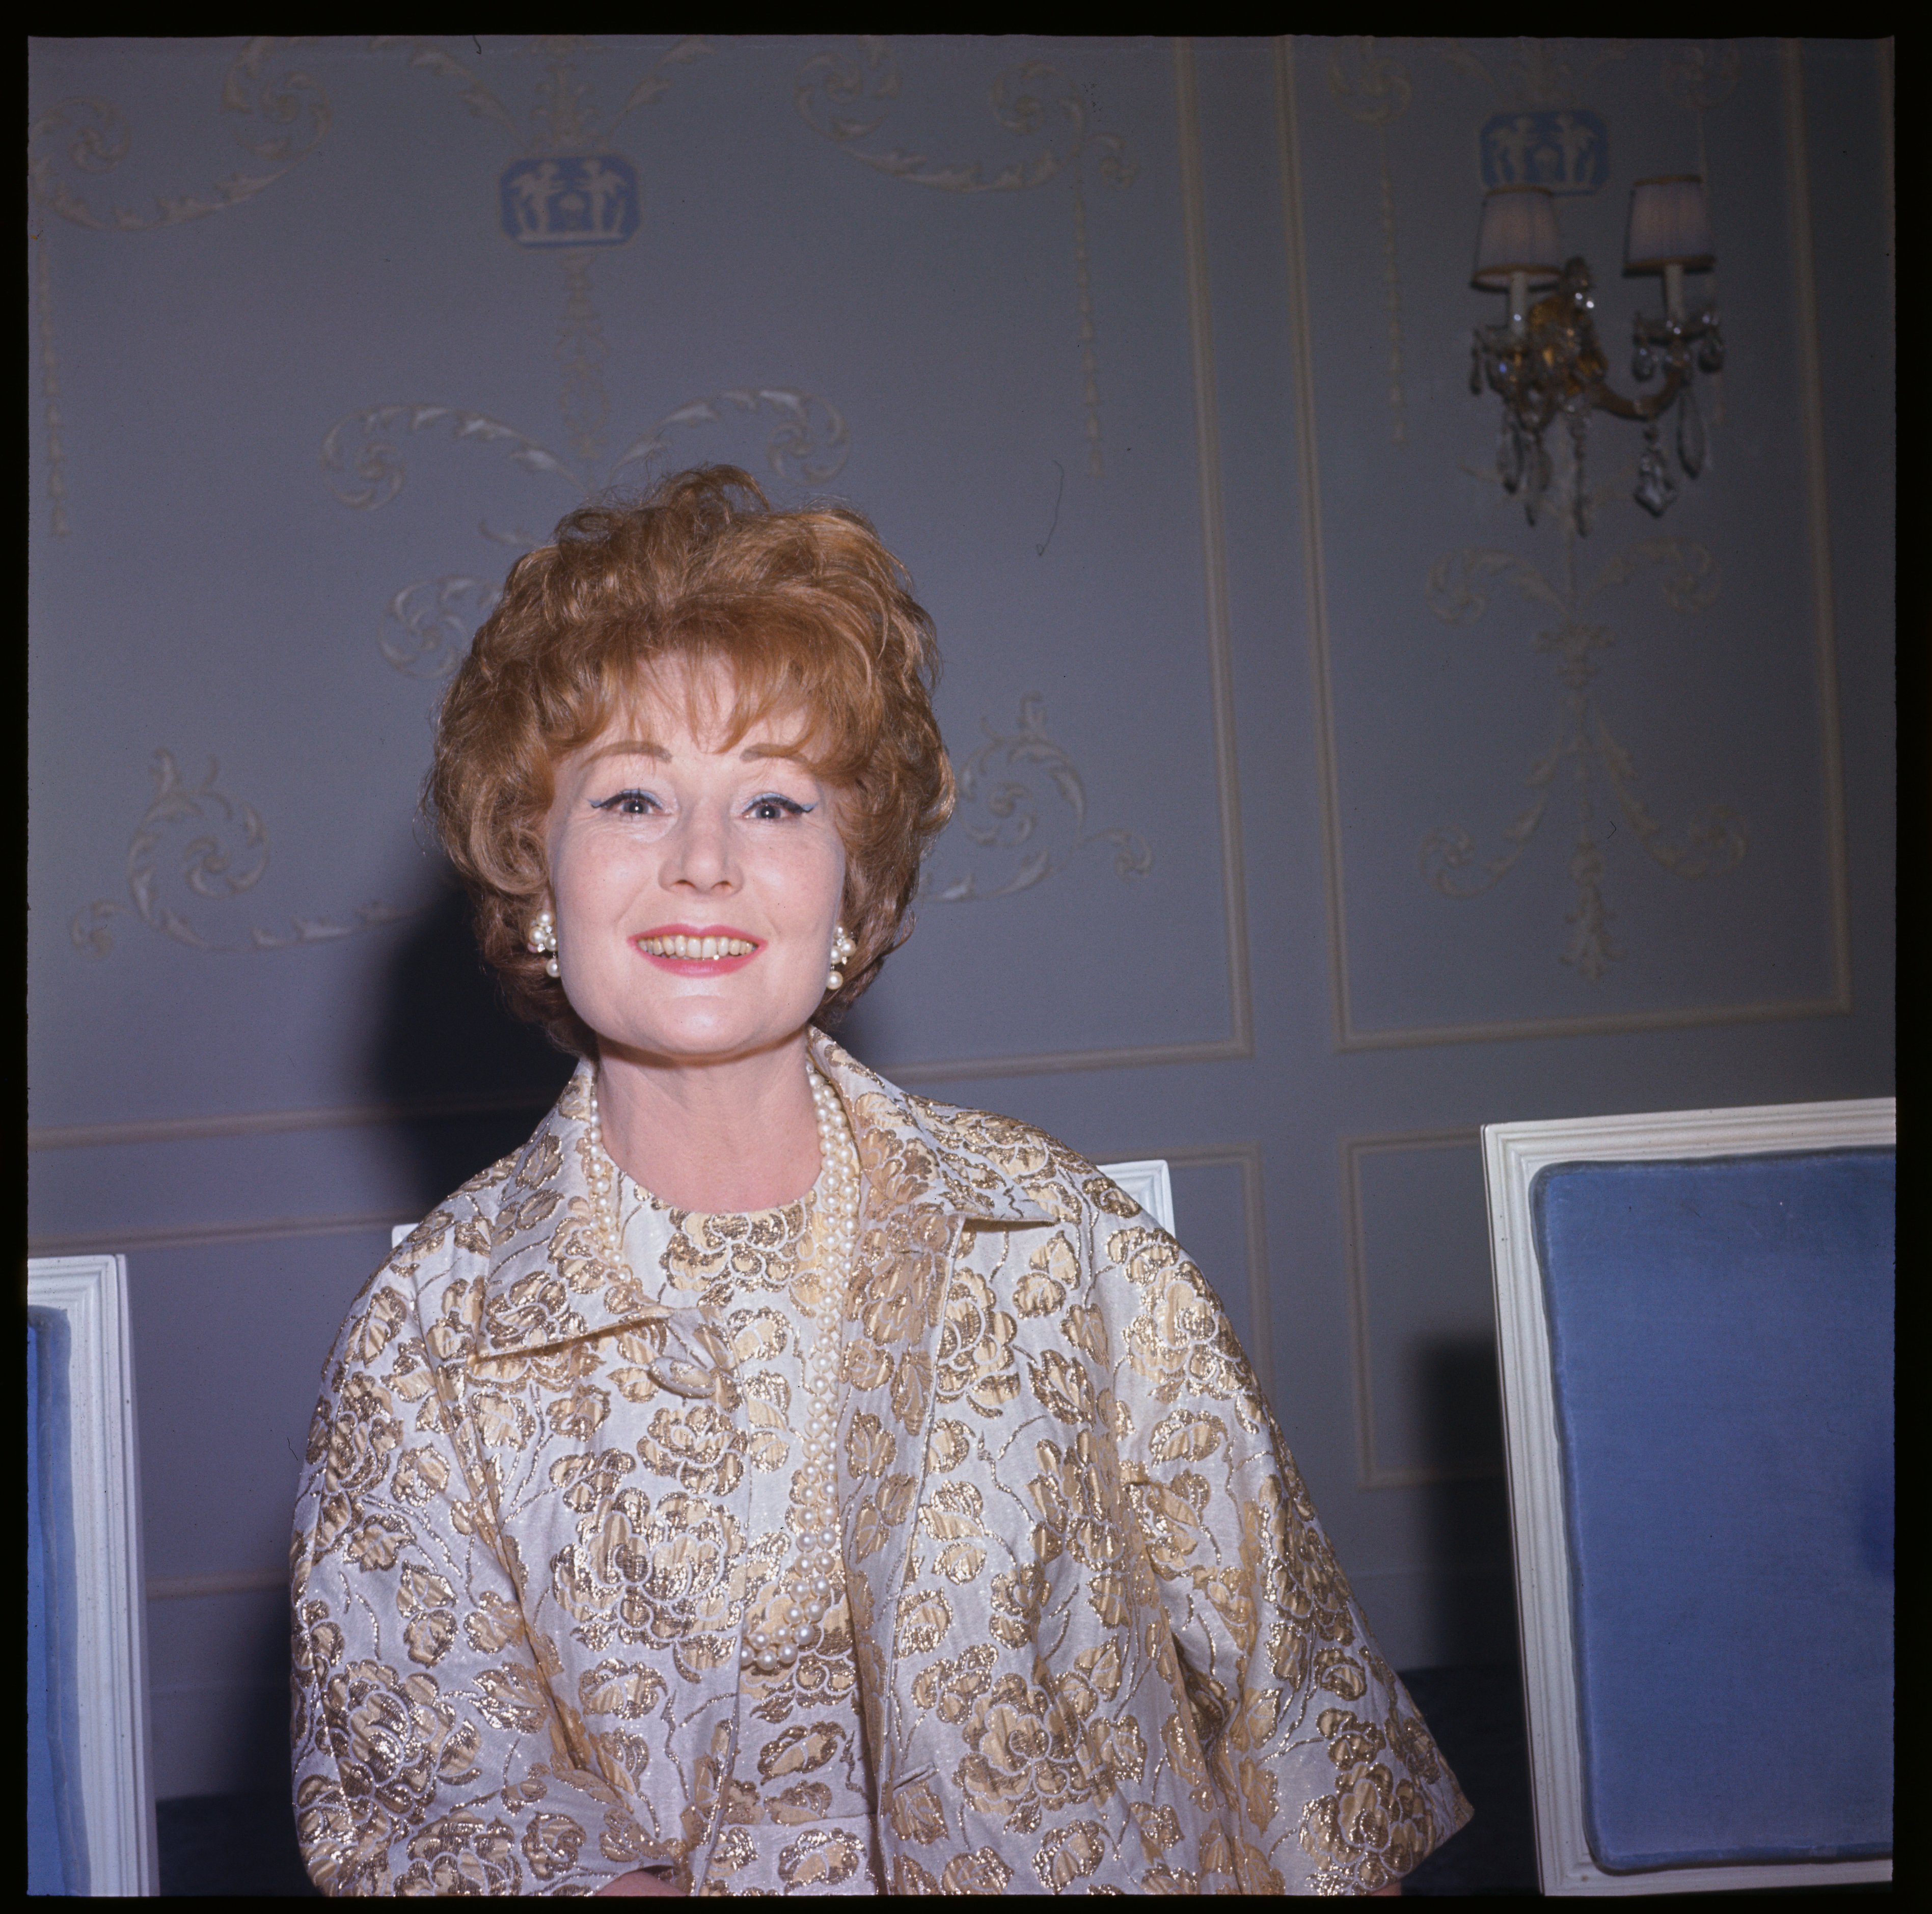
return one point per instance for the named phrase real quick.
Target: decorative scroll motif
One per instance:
(43, 314)
(225, 857)
(1011, 809)
(569, 192)
(80, 139)
(435, 618)
(1377, 94)
(1712, 843)
(1697, 76)
(848, 100)
(96, 138)
(1538, 77)
(432, 620)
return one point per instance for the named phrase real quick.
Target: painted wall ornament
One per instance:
(1539, 76)
(225, 856)
(1584, 753)
(587, 201)
(1568, 151)
(282, 117)
(1000, 812)
(848, 100)
(1376, 91)
(363, 465)
(570, 193)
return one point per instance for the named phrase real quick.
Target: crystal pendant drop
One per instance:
(1510, 455)
(1643, 361)
(1690, 446)
(1654, 490)
(1579, 484)
(1536, 477)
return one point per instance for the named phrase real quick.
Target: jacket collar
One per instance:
(548, 1282)
(888, 1125)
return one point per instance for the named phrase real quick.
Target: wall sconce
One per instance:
(1545, 360)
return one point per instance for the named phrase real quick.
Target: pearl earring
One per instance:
(543, 941)
(842, 947)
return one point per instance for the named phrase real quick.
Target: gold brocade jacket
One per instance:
(1101, 1641)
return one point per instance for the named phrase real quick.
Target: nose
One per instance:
(699, 856)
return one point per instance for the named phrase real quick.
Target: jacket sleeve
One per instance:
(1327, 1782)
(430, 1755)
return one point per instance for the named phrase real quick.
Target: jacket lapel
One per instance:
(921, 1192)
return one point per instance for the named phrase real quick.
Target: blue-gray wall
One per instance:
(1152, 364)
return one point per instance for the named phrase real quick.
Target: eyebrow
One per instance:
(644, 748)
(629, 747)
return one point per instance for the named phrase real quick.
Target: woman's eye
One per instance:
(627, 803)
(771, 807)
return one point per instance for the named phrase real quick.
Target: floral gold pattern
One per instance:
(1093, 1637)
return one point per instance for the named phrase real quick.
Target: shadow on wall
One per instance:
(1460, 1414)
(442, 1035)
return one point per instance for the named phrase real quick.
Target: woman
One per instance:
(766, 1480)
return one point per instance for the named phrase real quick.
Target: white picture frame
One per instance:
(1146, 1181)
(113, 1766)
(1512, 1155)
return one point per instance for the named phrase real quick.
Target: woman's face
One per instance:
(696, 889)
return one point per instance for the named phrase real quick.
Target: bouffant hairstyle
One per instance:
(807, 612)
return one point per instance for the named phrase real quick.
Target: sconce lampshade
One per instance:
(1670, 224)
(1519, 234)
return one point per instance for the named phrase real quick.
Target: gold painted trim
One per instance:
(245, 1581)
(1368, 1472)
(1797, 188)
(1213, 542)
(1051, 1063)
(1314, 577)
(268, 1122)
(268, 1229)
(1346, 1037)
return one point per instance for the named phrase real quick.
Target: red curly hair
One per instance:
(806, 610)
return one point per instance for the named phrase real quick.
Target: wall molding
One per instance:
(1368, 1472)
(187, 1236)
(270, 1122)
(1239, 1043)
(1838, 1002)
(242, 1582)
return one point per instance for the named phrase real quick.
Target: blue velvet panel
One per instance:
(56, 1843)
(1722, 1343)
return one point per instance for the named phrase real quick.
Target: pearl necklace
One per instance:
(788, 1622)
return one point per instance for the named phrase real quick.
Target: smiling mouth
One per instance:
(702, 949)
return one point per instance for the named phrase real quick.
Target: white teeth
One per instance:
(705, 949)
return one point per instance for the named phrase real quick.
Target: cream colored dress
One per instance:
(799, 1801)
